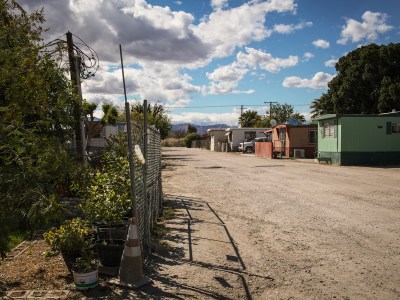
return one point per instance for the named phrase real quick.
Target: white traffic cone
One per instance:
(131, 269)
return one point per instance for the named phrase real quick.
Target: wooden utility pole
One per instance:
(74, 70)
(270, 107)
(241, 109)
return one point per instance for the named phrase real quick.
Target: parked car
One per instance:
(248, 147)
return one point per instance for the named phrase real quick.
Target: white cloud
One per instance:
(307, 56)
(218, 4)
(331, 63)
(160, 43)
(176, 22)
(226, 30)
(289, 28)
(265, 61)
(230, 118)
(372, 25)
(166, 85)
(321, 44)
(319, 81)
(225, 79)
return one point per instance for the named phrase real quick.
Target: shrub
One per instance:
(191, 137)
(173, 142)
(72, 235)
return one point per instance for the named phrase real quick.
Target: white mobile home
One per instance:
(98, 140)
(217, 136)
(239, 135)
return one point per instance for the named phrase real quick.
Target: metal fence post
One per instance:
(130, 148)
(145, 154)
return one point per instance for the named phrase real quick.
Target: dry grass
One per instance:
(173, 142)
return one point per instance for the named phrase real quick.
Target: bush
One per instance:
(173, 142)
(190, 138)
(72, 235)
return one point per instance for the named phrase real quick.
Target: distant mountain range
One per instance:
(200, 128)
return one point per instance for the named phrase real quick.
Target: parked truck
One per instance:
(242, 135)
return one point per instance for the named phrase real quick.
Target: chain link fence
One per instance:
(148, 186)
(147, 183)
(202, 144)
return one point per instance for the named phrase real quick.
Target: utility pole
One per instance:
(77, 62)
(241, 113)
(74, 70)
(241, 109)
(270, 107)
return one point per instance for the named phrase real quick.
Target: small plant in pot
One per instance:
(70, 239)
(107, 201)
(85, 271)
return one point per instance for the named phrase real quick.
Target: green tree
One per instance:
(281, 112)
(36, 109)
(249, 118)
(190, 137)
(110, 116)
(299, 118)
(157, 116)
(367, 81)
(191, 129)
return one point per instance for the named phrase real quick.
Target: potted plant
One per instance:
(85, 272)
(107, 201)
(70, 239)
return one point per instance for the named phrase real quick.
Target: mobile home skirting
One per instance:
(363, 158)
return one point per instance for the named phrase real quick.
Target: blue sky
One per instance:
(204, 59)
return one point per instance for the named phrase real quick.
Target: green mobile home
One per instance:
(360, 139)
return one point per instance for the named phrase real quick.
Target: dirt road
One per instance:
(252, 228)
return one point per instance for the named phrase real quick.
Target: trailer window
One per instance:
(249, 135)
(312, 136)
(330, 128)
(395, 127)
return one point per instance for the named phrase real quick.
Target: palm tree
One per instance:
(249, 118)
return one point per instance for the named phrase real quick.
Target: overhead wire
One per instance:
(88, 57)
(216, 106)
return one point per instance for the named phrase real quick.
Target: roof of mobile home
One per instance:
(246, 128)
(331, 116)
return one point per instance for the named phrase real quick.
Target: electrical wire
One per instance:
(233, 105)
(88, 56)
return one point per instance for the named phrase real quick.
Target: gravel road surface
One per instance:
(252, 228)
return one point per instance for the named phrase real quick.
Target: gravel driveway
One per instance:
(252, 228)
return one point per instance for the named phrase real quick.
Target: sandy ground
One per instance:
(252, 228)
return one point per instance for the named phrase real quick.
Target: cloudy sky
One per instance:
(204, 59)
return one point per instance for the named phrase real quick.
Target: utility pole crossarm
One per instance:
(270, 107)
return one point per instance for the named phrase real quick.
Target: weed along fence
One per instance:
(147, 184)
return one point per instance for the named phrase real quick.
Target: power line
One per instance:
(233, 105)
(270, 107)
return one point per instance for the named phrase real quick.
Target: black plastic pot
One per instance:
(70, 256)
(110, 253)
(118, 232)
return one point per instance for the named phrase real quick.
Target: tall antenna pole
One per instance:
(130, 148)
